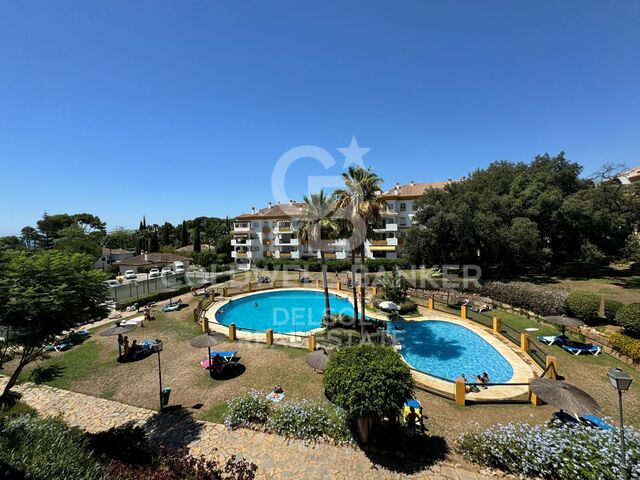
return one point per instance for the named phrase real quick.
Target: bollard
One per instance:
(224, 291)
(497, 325)
(312, 342)
(317, 283)
(463, 312)
(205, 324)
(430, 304)
(460, 391)
(339, 286)
(269, 337)
(249, 287)
(553, 370)
(524, 341)
(232, 332)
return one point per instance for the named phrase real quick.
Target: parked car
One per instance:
(179, 266)
(154, 272)
(167, 271)
(130, 275)
(111, 283)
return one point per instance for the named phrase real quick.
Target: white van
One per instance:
(178, 267)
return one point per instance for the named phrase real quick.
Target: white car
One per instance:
(167, 271)
(154, 272)
(130, 275)
(111, 283)
(179, 267)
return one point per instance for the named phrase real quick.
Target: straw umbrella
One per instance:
(208, 340)
(564, 396)
(318, 359)
(117, 330)
(564, 321)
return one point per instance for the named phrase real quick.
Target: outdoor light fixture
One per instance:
(621, 381)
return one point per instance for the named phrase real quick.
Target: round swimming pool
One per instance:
(447, 350)
(283, 311)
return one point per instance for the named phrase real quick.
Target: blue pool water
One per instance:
(285, 312)
(446, 350)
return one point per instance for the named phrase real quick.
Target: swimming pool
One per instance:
(446, 349)
(283, 311)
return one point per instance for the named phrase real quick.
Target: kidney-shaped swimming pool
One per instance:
(447, 350)
(283, 311)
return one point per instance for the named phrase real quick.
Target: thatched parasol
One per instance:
(318, 359)
(208, 340)
(564, 396)
(564, 321)
(117, 330)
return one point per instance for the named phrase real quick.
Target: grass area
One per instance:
(216, 413)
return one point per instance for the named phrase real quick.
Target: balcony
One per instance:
(243, 227)
(389, 227)
(241, 254)
(330, 255)
(285, 254)
(266, 229)
(294, 242)
(244, 242)
(266, 242)
(386, 241)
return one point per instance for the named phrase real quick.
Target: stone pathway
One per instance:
(276, 457)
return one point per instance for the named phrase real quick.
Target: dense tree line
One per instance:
(514, 217)
(87, 233)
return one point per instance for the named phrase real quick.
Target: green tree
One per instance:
(394, 286)
(29, 237)
(184, 235)
(197, 245)
(369, 382)
(44, 293)
(74, 239)
(121, 238)
(165, 234)
(317, 227)
(361, 205)
(10, 242)
(154, 243)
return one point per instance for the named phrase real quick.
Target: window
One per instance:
(403, 206)
(403, 221)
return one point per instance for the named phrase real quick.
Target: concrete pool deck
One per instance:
(523, 368)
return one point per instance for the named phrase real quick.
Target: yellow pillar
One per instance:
(430, 303)
(205, 324)
(249, 287)
(224, 291)
(553, 370)
(339, 286)
(524, 341)
(535, 400)
(312, 342)
(460, 391)
(317, 283)
(497, 325)
(375, 291)
(232, 332)
(269, 337)
(463, 311)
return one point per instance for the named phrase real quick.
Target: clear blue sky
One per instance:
(179, 109)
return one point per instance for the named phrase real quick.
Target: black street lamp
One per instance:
(621, 381)
(159, 349)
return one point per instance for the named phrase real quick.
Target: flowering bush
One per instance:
(626, 345)
(309, 421)
(553, 452)
(628, 317)
(247, 410)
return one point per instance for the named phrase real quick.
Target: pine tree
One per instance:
(154, 245)
(197, 247)
(166, 234)
(184, 235)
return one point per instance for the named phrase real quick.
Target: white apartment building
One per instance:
(272, 231)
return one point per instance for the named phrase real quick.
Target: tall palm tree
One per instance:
(317, 226)
(362, 204)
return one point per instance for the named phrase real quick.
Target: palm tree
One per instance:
(317, 226)
(362, 205)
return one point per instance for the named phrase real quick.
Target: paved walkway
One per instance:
(275, 456)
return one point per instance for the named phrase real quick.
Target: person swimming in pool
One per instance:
(255, 304)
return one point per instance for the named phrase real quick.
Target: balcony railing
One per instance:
(266, 229)
(285, 254)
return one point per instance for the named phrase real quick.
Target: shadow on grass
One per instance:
(390, 447)
(229, 372)
(138, 357)
(47, 374)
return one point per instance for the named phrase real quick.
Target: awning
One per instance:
(382, 248)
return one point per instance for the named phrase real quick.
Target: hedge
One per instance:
(626, 345)
(543, 300)
(628, 317)
(583, 305)
(611, 307)
(155, 297)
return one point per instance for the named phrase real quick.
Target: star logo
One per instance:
(353, 154)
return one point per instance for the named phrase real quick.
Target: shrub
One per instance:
(626, 345)
(543, 300)
(248, 410)
(382, 264)
(16, 410)
(553, 452)
(611, 307)
(309, 420)
(394, 286)
(368, 381)
(628, 317)
(339, 320)
(407, 306)
(47, 448)
(343, 336)
(583, 305)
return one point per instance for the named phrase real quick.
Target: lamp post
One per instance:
(159, 349)
(621, 381)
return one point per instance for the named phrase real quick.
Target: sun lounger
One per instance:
(554, 339)
(597, 422)
(589, 420)
(58, 346)
(227, 359)
(576, 348)
(168, 307)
